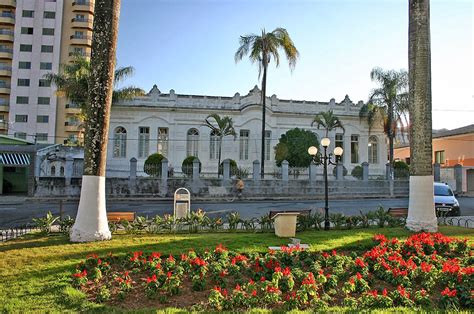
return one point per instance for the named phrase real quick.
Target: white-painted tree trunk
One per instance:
(91, 221)
(421, 207)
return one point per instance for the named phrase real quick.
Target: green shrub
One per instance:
(233, 167)
(344, 171)
(187, 165)
(401, 169)
(152, 166)
(357, 172)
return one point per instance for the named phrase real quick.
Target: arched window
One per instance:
(192, 143)
(373, 150)
(214, 145)
(53, 171)
(61, 172)
(120, 142)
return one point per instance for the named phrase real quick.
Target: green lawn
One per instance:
(35, 271)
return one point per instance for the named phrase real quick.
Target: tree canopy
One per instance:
(293, 147)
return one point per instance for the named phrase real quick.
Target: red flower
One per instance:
(286, 271)
(220, 248)
(262, 279)
(359, 262)
(359, 276)
(254, 293)
(237, 287)
(448, 292)
(169, 274)
(151, 279)
(425, 267)
(384, 292)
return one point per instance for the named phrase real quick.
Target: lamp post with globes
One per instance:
(325, 159)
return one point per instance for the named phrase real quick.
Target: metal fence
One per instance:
(15, 232)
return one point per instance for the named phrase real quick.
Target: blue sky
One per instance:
(189, 46)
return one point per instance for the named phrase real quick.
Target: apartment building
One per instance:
(36, 36)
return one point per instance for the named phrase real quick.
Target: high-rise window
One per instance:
(339, 142)
(46, 48)
(143, 141)
(22, 100)
(20, 135)
(439, 157)
(214, 145)
(28, 13)
(373, 150)
(26, 48)
(42, 137)
(49, 15)
(24, 65)
(163, 141)
(21, 118)
(27, 30)
(44, 83)
(42, 119)
(192, 143)
(48, 31)
(354, 149)
(244, 144)
(23, 82)
(120, 142)
(268, 140)
(44, 100)
(46, 66)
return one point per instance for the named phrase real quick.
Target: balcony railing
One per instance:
(6, 32)
(9, 50)
(7, 14)
(81, 20)
(5, 85)
(82, 2)
(81, 54)
(73, 106)
(72, 123)
(81, 37)
(5, 68)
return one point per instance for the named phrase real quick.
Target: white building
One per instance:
(36, 51)
(173, 124)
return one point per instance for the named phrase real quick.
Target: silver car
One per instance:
(445, 200)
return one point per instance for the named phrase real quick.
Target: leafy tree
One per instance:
(328, 121)
(152, 166)
(261, 49)
(233, 167)
(91, 220)
(187, 165)
(293, 147)
(388, 103)
(222, 127)
(401, 169)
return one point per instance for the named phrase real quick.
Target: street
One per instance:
(13, 214)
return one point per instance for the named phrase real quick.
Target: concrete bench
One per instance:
(398, 211)
(117, 216)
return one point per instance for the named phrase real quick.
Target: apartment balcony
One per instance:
(8, 3)
(82, 23)
(6, 53)
(4, 107)
(5, 71)
(83, 6)
(5, 89)
(6, 35)
(73, 108)
(81, 40)
(72, 126)
(80, 54)
(7, 18)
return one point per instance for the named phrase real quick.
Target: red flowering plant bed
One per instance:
(426, 271)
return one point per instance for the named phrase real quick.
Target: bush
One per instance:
(357, 172)
(344, 171)
(152, 166)
(187, 165)
(233, 167)
(401, 169)
(293, 147)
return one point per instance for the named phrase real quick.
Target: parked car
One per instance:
(445, 200)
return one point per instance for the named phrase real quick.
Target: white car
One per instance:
(445, 200)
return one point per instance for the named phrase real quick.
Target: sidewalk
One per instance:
(12, 199)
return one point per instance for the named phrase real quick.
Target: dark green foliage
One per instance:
(401, 169)
(357, 172)
(344, 171)
(233, 167)
(293, 147)
(152, 166)
(187, 165)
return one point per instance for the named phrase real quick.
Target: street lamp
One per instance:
(325, 159)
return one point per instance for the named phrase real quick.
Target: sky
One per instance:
(189, 46)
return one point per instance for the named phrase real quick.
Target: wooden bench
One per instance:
(304, 212)
(398, 211)
(117, 216)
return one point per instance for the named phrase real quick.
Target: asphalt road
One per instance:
(23, 212)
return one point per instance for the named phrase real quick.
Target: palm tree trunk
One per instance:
(390, 139)
(264, 91)
(421, 211)
(219, 159)
(91, 221)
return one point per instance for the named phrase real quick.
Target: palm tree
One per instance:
(328, 121)
(223, 127)
(91, 220)
(421, 210)
(388, 103)
(261, 49)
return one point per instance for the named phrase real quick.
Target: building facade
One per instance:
(36, 36)
(173, 125)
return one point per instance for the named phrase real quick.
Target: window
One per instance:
(163, 141)
(28, 13)
(22, 100)
(120, 142)
(53, 171)
(79, 34)
(27, 30)
(80, 17)
(42, 119)
(49, 15)
(244, 144)
(48, 31)
(143, 141)
(24, 65)
(42, 137)
(192, 143)
(26, 48)
(21, 135)
(354, 149)
(23, 82)
(46, 48)
(46, 66)
(44, 83)
(21, 118)
(439, 157)
(339, 142)
(214, 145)
(61, 171)
(4, 84)
(268, 139)
(44, 100)
(373, 150)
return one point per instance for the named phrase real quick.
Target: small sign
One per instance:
(182, 203)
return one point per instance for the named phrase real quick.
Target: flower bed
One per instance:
(426, 270)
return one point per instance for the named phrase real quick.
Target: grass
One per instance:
(35, 271)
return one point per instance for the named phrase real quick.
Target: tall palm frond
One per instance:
(328, 121)
(222, 127)
(126, 93)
